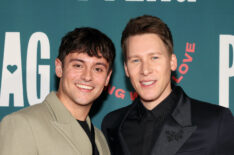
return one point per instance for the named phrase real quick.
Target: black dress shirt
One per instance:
(142, 126)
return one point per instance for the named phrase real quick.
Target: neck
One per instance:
(79, 112)
(151, 104)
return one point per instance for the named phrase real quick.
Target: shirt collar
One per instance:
(161, 111)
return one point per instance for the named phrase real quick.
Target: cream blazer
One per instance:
(47, 129)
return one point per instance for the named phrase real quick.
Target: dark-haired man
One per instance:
(163, 120)
(60, 125)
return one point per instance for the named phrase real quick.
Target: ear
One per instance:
(108, 78)
(58, 68)
(126, 70)
(173, 62)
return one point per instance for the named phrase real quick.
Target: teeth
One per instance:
(147, 83)
(84, 87)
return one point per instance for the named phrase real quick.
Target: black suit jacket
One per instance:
(193, 128)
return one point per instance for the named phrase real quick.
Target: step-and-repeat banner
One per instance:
(31, 31)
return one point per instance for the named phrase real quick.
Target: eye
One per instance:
(98, 69)
(135, 60)
(154, 57)
(77, 66)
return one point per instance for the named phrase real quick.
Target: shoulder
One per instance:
(29, 114)
(207, 111)
(27, 111)
(34, 110)
(113, 118)
(201, 106)
(16, 130)
(20, 122)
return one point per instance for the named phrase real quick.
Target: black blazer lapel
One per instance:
(176, 130)
(112, 129)
(123, 144)
(171, 138)
(125, 150)
(116, 142)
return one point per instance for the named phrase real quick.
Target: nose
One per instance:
(146, 68)
(87, 75)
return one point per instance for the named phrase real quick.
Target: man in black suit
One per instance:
(163, 120)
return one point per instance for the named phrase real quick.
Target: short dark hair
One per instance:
(87, 40)
(147, 24)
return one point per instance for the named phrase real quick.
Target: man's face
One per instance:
(149, 65)
(82, 78)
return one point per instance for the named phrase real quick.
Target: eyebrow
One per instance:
(152, 53)
(134, 56)
(102, 64)
(158, 52)
(82, 61)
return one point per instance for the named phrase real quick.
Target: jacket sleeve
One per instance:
(16, 136)
(226, 133)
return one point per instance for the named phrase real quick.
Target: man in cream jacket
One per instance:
(60, 125)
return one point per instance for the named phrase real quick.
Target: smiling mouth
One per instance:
(147, 83)
(84, 87)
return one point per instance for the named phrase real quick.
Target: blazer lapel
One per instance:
(176, 130)
(75, 136)
(171, 138)
(122, 142)
(68, 126)
(101, 143)
(125, 150)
